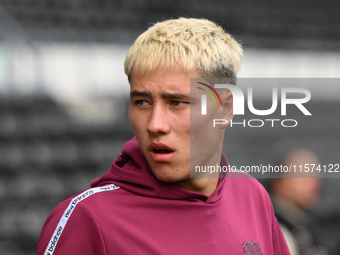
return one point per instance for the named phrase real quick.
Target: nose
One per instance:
(159, 121)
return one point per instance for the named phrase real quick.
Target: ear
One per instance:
(227, 104)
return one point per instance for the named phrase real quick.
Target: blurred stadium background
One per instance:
(63, 95)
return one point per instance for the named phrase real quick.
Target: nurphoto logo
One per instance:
(239, 103)
(204, 97)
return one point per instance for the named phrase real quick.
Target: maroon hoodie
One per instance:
(129, 211)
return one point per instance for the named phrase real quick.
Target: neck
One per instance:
(204, 186)
(206, 182)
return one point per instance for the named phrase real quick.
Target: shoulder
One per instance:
(247, 192)
(65, 209)
(245, 184)
(71, 220)
(82, 200)
(249, 197)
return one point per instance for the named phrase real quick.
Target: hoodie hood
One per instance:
(131, 172)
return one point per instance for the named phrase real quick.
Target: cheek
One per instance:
(179, 122)
(134, 120)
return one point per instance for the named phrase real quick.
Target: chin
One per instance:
(168, 176)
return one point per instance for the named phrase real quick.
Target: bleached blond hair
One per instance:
(194, 44)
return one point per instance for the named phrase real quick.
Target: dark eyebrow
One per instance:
(136, 93)
(178, 96)
(175, 96)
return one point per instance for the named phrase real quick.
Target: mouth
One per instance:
(161, 152)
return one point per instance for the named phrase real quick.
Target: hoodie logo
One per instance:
(251, 248)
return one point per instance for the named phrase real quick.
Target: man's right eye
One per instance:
(142, 102)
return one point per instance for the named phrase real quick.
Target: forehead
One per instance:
(169, 79)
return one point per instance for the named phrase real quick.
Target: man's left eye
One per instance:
(177, 103)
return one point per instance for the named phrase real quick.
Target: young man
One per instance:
(147, 203)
